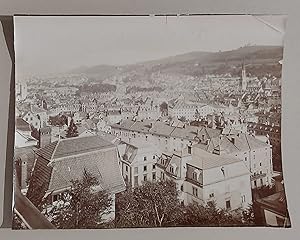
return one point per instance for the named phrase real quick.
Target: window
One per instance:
(246, 159)
(55, 197)
(280, 221)
(145, 177)
(243, 198)
(189, 150)
(261, 182)
(126, 168)
(153, 166)
(181, 188)
(211, 195)
(195, 176)
(26, 119)
(228, 206)
(171, 169)
(260, 172)
(255, 184)
(136, 170)
(162, 176)
(153, 156)
(153, 176)
(136, 181)
(195, 192)
(145, 158)
(145, 168)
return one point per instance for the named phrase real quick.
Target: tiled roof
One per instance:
(126, 124)
(47, 151)
(142, 126)
(276, 202)
(22, 125)
(160, 128)
(102, 164)
(90, 153)
(206, 160)
(78, 145)
(237, 143)
(36, 109)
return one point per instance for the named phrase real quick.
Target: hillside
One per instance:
(257, 59)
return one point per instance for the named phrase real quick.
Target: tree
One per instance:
(150, 205)
(248, 216)
(82, 206)
(72, 130)
(164, 108)
(208, 215)
(58, 120)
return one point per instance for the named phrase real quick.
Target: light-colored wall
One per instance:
(254, 158)
(270, 218)
(234, 186)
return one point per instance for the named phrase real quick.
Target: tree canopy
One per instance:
(157, 205)
(82, 206)
(150, 205)
(72, 130)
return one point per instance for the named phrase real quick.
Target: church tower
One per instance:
(243, 81)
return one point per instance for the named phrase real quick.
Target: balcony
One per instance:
(257, 176)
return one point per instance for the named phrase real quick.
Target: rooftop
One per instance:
(205, 160)
(62, 161)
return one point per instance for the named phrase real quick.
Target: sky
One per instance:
(52, 44)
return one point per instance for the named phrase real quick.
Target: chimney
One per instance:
(24, 166)
(44, 137)
(233, 140)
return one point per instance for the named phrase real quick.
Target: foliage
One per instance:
(82, 206)
(157, 205)
(208, 215)
(150, 205)
(58, 120)
(164, 108)
(17, 222)
(248, 216)
(97, 88)
(72, 130)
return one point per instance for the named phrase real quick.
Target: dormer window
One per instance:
(195, 176)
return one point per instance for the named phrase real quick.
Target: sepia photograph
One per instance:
(149, 122)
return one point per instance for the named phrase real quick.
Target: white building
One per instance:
(189, 110)
(138, 163)
(202, 177)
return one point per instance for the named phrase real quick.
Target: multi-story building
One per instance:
(21, 90)
(60, 162)
(189, 110)
(168, 136)
(256, 154)
(138, 163)
(271, 131)
(202, 177)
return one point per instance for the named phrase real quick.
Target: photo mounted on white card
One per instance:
(149, 121)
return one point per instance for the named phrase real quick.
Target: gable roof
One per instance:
(62, 161)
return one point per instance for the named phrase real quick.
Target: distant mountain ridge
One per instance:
(193, 63)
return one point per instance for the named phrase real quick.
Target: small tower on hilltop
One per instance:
(243, 80)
